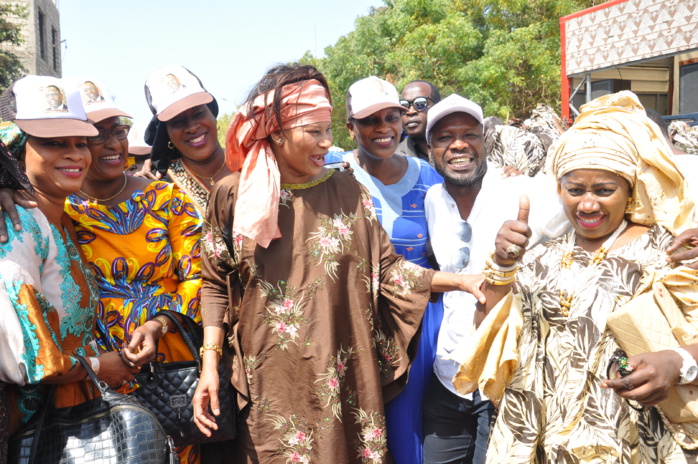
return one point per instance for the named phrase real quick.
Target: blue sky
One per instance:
(227, 43)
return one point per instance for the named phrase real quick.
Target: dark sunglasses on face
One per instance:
(119, 132)
(419, 103)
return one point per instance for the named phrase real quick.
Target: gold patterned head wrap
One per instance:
(613, 133)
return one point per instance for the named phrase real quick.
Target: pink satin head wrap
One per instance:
(247, 150)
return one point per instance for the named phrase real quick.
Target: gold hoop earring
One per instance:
(170, 145)
(629, 207)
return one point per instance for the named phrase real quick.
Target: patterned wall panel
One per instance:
(630, 31)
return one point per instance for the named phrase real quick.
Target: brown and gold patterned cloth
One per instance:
(546, 378)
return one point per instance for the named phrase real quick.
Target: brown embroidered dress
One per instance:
(322, 332)
(554, 409)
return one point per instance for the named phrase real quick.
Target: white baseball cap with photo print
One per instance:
(50, 107)
(98, 101)
(173, 89)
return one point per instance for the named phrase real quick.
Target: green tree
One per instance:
(222, 123)
(503, 54)
(11, 19)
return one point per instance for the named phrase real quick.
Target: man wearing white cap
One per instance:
(464, 215)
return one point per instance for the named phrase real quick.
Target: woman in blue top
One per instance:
(398, 185)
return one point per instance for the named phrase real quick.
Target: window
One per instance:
(688, 82)
(42, 38)
(54, 47)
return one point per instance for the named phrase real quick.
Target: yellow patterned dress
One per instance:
(144, 253)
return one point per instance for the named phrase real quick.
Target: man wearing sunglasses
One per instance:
(417, 97)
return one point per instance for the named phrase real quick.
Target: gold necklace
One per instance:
(306, 185)
(210, 179)
(98, 200)
(567, 277)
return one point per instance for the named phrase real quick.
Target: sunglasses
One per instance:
(419, 103)
(461, 257)
(119, 132)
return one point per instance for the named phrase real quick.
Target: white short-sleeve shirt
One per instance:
(497, 201)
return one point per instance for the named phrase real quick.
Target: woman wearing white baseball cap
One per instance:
(47, 293)
(398, 186)
(141, 238)
(183, 132)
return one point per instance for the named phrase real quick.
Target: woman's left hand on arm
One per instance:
(652, 377)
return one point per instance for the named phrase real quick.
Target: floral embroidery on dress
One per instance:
(388, 352)
(251, 363)
(369, 206)
(329, 241)
(285, 197)
(373, 440)
(284, 312)
(369, 315)
(331, 382)
(215, 245)
(405, 278)
(296, 443)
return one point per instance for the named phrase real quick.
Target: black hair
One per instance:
(435, 94)
(280, 76)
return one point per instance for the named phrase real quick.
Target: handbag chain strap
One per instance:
(189, 334)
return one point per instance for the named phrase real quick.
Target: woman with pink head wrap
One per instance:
(304, 297)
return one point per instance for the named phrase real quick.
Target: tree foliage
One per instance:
(223, 123)
(11, 19)
(503, 54)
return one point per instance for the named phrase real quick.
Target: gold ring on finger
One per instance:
(513, 251)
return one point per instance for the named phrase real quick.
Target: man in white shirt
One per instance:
(464, 215)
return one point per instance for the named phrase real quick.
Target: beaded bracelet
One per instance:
(211, 347)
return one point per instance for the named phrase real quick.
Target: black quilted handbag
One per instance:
(112, 429)
(168, 388)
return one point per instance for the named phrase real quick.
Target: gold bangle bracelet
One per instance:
(514, 267)
(498, 282)
(493, 279)
(500, 273)
(211, 347)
